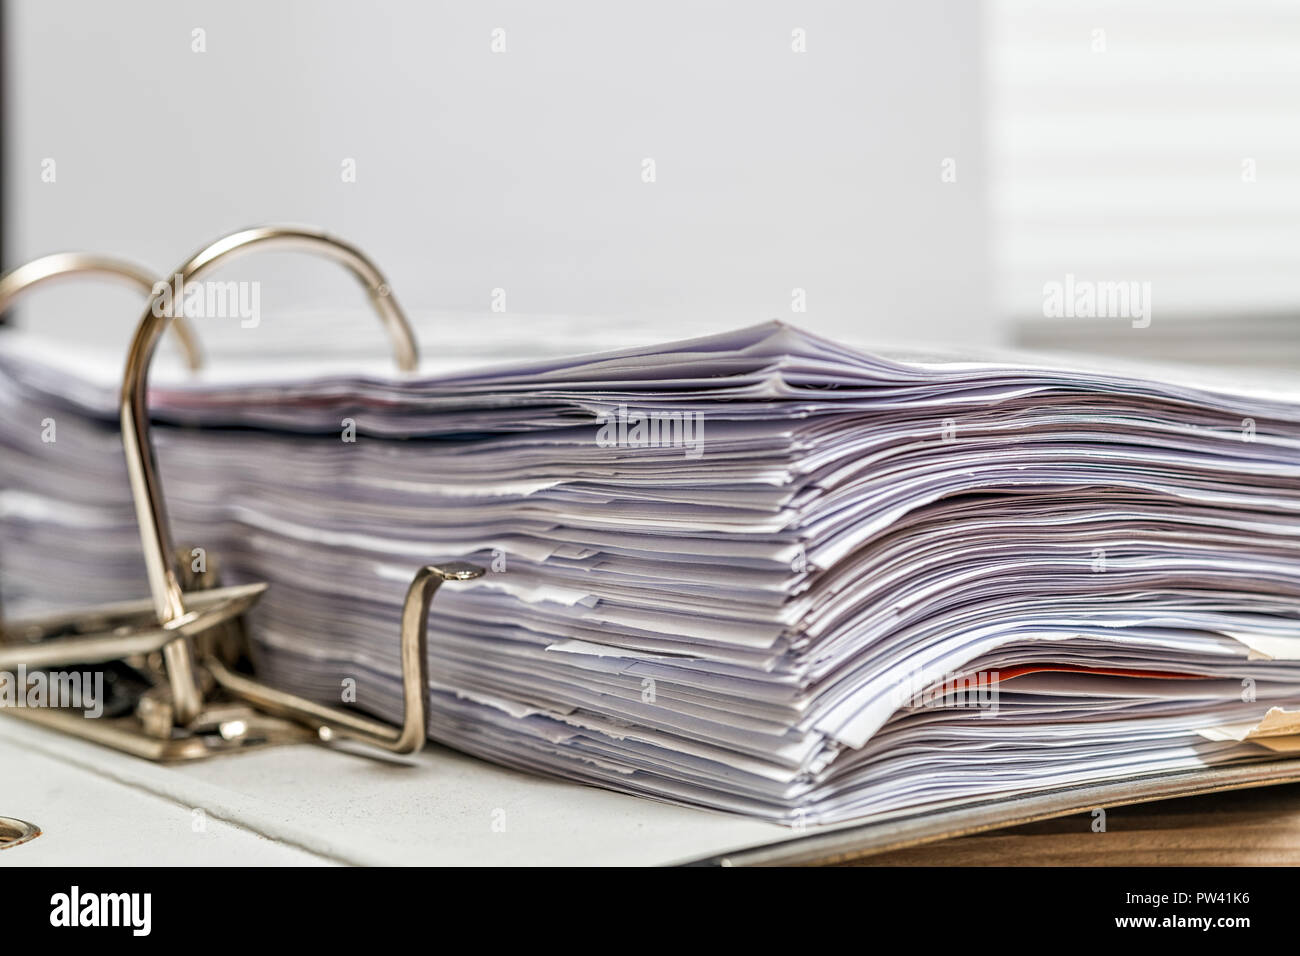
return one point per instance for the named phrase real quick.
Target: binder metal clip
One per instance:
(184, 640)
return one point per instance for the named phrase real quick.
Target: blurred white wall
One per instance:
(1154, 141)
(522, 170)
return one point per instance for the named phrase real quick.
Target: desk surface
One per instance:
(1239, 828)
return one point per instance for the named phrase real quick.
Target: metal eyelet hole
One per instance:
(13, 832)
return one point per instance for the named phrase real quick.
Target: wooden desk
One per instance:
(1258, 827)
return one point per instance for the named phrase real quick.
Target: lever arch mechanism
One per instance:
(185, 640)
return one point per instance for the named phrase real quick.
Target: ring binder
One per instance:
(202, 705)
(28, 276)
(183, 636)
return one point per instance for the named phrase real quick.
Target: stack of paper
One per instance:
(834, 584)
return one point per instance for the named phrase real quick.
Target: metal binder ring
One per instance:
(29, 275)
(155, 531)
(15, 832)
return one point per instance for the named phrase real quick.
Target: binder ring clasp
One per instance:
(155, 531)
(29, 275)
